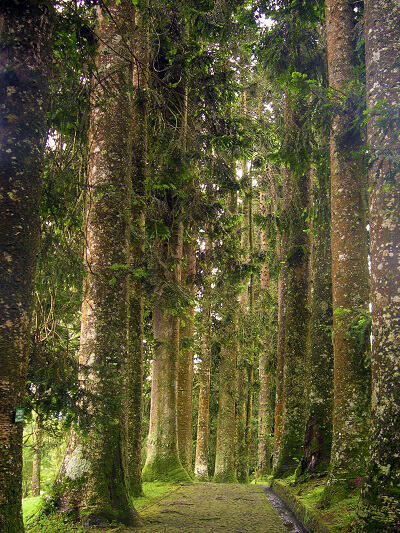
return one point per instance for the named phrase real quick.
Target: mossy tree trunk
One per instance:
(296, 323)
(203, 420)
(266, 397)
(185, 363)
(25, 30)
(381, 500)
(92, 480)
(318, 440)
(162, 461)
(350, 277)
(37, 452)
(137, 297)
(225, 467)
(242, 451)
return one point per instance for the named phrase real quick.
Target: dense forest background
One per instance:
(200, 252)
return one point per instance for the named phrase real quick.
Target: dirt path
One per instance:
(209, 507)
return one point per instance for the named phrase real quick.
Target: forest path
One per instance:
(213, 507)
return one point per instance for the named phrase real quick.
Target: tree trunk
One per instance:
(162, 462)
(296, 325)
(266, 376)
(242, 451)
(350, 278)
(224, 470)
(185, 365)
(37, 452)
(137, 297)
(203, 420)
(380, 498)
(24, 60)
(318, 441)
(92, 480)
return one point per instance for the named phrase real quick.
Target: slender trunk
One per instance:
(266, 376)
(24, 60)
(318, 441)
(225, 471)
(350, 278)
(185, 365)
(137, 296)
(162, 461)
(242, 452)
(92, 479)
(381, 502)
(37, 452)
(296, 325)
(203, 421)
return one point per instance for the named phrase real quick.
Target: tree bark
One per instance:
(162, 461)
(266, 400)
(203, 420)
(37, 452)
(380, 498)
(350, 277)
(185, 365)
(25, 30)
(318, 440)
(92, 479)
(137, 295)
(296, 323)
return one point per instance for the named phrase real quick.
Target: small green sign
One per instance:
(19, 415)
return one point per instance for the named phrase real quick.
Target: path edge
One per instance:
(305, 515)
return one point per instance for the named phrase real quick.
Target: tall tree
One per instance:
(185, 362)
(92, 481)
(37, 428)
(318, 439)
(25, 56)
(350, 277)
(380, 498)
(141, 49)
(203, 419)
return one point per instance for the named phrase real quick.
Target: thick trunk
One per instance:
(318, 441)
(24, 60)
(92, 480)
(37, 453)
(350, 278)
(162, 461)
(296, 325)
(185, 365)
(380, 498)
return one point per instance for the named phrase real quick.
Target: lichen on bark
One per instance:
(380, 503)
(350, 277)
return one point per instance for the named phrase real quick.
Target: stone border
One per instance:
(306, 516)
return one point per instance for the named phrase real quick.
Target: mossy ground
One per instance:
(338, 516)
(194, 507)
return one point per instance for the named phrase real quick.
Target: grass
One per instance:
(153, 493)
(339, 516)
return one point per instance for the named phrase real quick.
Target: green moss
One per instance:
(30, 506)
(167, 469)
(152, 493)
